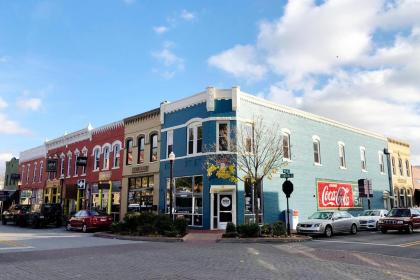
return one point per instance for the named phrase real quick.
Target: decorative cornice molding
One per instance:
(108, 127)
(33, 153)
(79, 135)
(142, 117)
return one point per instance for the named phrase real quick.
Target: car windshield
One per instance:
(371, 213)
(399, 213)
(93, 213)
(321, 215)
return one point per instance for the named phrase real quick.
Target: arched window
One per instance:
(85, 153)
(394, 170)
(140, 152)
(76, 168)
(342, 154)
(116, 152)
(407, 168)
(34, 175)
(106, 158)
(317, 150)
(153, 148)
(409, 198)
(381, 162)
(402, 198)
(62, 165)
(396, 197)
(363, 158)
(129, 151)
(69, 156)
(41, 170)
(96, 158)
(286, 145)
(400, 166)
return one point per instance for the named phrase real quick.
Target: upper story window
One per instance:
(23, 172)
(62, 166)
(363, 158)
(34, 175)
(407, 168)
(195, 139)
(116, 151)
(140, 146)
(223, 136)
(129, 152)
(342, 154)
(106, 152)
(400, 166)
(96, 158)
(381, 162)
(27, 173)
(41, 170)
(85, 153)
(69, 165)
(248, 137)
(286, 145)
(153, 147)
(317, 149)
(169, 142)
(76, 170)
(394, 169)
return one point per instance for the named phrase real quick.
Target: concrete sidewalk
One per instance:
(203, 236)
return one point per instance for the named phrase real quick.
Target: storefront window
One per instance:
(140, 196)
(189, 199)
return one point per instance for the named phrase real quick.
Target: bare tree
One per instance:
(256, 149)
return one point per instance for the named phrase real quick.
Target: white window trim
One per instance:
(41, 170)
(195, 126)
(286, 131)
(170, 135)
(363, 154)
(76, 169)
(217, 135)
(116, 144)
(407, 168)
(96, 167)
(106, 157)
(85, 154)
(381, 158)
(28, 170)
(69, 158)
(317, 138)
(34, 173)
(340, 143)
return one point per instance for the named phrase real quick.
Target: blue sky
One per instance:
(64, 64)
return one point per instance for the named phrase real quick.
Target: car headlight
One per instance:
(400, 222)
(317, 225)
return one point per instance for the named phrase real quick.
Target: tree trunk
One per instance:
(255, 203)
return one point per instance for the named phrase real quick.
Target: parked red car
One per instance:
(86, 220)
(401, 219)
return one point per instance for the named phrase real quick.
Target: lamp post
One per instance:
(171, 185)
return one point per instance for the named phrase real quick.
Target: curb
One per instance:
(265, 240)
(137, 238)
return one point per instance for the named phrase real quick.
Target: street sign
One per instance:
(81, 184)
(286, 171)
(52, 165)
(81, 161)
(287, 188)
(287, 176)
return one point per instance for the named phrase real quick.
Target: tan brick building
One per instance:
(416, 182)
(140, 185)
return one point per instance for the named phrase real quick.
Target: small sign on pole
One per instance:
(81, 184)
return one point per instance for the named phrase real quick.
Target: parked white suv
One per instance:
(369, 219)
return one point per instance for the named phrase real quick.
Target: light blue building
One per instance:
(325, 157)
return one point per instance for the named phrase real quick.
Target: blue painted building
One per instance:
(324, 156)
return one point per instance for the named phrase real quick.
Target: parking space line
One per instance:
(17, 248)
(409, 244)
(355, 242)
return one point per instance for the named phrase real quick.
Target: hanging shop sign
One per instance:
(81, 161)
(140, 169)
(105, 175)
(52, 165)
(336, 195)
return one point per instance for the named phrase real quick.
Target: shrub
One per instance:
(180, 226)
(266, 230)
(117, 227)
(163, 223)
(231, 228)
(279, 228)
(170, 233)
(248, 230)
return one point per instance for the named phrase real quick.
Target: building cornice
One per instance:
(108, 127)
(142, 117)
(33, 153)
(398, 142)
(67, 139)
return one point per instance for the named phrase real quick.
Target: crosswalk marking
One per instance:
(410, 244)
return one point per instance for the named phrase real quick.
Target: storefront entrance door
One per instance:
(224, 211)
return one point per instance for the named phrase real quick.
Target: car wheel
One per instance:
(384, 230)
(328, 231)
(84, 228)
(68, 226)
(409, 229)
(353, 229)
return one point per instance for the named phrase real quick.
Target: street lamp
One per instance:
(171, 185)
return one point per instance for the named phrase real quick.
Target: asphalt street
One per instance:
(57, 254)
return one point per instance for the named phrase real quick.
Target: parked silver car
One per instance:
(369, 219)
(329, 223)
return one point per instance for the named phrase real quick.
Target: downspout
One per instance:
(391, 189)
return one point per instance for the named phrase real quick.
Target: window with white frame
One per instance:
(363, 158)
(286, 145)
(394, 169)
(106, 152)
(140, 150)
(76, 171)
(96, 158)
(381, 162)
(41, 171)
(153, 147)
(400, 166)
(223, 136)
(116, 151)
(195, 139)
(27, 173)
(23, 172)
(317, 149)
(85, 153)
(342, 154)
(248, 137)
(169, 142)
(407, 168)
(34, 175)
(129, 151)
(62, 167)
(69, 156)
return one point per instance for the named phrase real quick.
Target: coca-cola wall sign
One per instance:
(337, 195)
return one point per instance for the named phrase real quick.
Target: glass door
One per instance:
(225, 205)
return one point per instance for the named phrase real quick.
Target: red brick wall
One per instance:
(31, 183)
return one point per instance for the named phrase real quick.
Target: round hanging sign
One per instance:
(225, 201)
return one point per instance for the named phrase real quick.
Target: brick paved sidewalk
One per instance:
(200, 236)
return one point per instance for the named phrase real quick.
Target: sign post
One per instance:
(287, 189)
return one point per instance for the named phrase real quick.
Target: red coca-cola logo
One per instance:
(335, 195)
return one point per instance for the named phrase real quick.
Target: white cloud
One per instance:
(3, 158)
(3, 104)
(10, 127)
(240, 61)
(186, 15)
(160, 29)
(170, 62)
(26, 103)
(327, 60)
